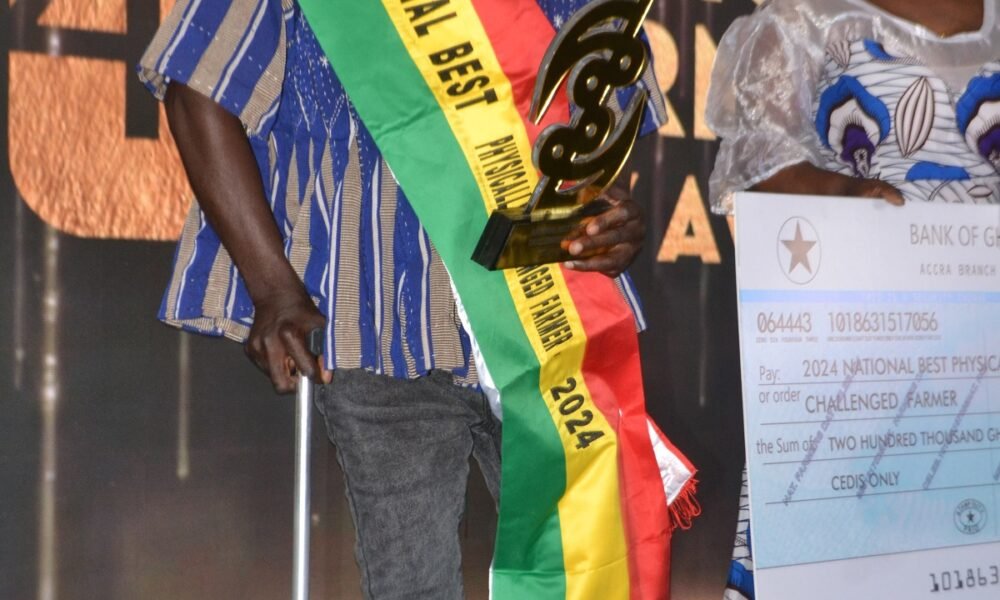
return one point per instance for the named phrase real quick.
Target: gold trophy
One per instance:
(598, 50)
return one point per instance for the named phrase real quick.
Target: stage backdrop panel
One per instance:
(137, 462)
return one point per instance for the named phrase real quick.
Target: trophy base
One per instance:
(513, 238)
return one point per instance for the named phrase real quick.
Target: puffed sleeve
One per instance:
(232, 51)
(760, 102)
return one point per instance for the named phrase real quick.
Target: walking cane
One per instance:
(303, 435)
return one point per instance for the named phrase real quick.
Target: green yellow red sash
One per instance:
(444, 87)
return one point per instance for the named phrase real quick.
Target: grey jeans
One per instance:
(404, 447)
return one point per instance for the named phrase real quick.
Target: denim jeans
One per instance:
(404, 447)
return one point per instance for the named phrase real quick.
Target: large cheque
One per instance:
(870, 341)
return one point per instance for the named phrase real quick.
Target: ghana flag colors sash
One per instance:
(590, 489)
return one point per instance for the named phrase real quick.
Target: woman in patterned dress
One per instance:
(896, 99)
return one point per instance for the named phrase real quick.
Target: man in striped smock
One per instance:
(300, 225)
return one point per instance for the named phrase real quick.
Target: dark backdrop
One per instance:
(136, 462)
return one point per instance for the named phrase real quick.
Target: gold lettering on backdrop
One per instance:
(689, 232)
(71, 160)
(88, 15)
(665, 67)
(704, 57)
(74, 166)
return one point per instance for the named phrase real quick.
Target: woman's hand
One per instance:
(806, 179)
(873, 188)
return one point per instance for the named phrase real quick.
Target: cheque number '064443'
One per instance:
(771, 322)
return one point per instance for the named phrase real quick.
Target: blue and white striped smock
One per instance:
(348, 230)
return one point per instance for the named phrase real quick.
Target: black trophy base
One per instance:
(513, 238)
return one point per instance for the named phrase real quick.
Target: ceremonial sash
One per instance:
(444, 87)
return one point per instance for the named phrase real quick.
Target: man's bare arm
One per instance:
(224, 175)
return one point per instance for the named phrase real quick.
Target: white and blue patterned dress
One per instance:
(855, 90)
